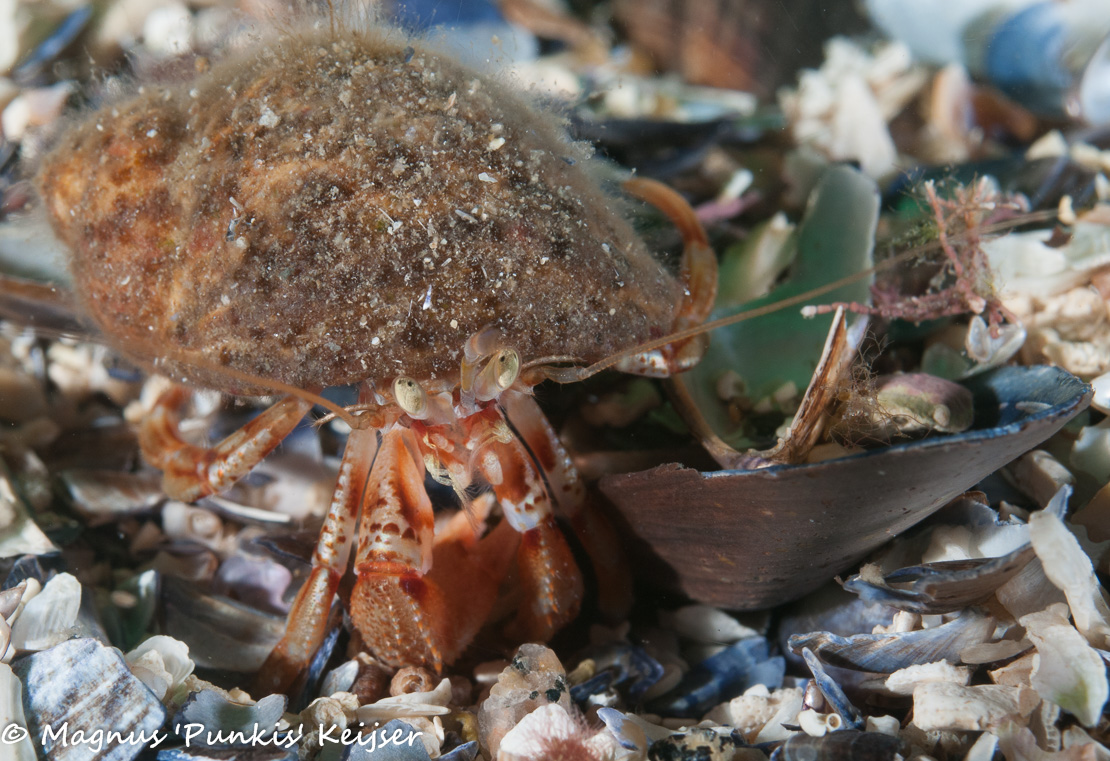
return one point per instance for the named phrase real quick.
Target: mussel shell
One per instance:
(747, 539)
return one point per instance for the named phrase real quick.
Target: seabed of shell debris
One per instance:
(982, 632)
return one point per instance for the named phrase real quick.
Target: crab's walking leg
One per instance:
(549, 576)
(407, 612)
(191, 472)
(698, 274)
(571, 499)
(309, 615)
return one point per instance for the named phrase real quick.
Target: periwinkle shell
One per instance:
(748, 539)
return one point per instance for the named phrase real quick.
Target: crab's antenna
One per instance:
(277, 386)
(571, 374)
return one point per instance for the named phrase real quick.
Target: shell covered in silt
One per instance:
(334, 207)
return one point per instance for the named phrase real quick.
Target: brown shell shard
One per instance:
(339, 208)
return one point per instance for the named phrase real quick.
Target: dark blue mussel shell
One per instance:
(749, 539)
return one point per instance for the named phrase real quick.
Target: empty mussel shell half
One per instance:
(747, 539)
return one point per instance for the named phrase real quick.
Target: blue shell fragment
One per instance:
(84, 686)
(833, 692)
(943, 587)
(887, 653)
(465, 752)
(38, 567)
(621, 666)
(66, 32)
(1027, 58)
(722, 677)
(208, 718)
(616, 722)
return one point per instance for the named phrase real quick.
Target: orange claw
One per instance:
(405, 615)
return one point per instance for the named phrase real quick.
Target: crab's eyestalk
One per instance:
(411, 397)
(498, 375)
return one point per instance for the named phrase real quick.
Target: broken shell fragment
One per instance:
(943, 705)
(840, 746)
(721, 676)
(943, 587)
(755, 538)
(534, 678)
(619, 666)
(1066, 670)
(888, 653)
(50, 616)
(238, 724)
(11, 714)
(162, 663)
(832, 691)
(84, 686)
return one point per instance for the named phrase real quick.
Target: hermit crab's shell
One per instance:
(337, 207)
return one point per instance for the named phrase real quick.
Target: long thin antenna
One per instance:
(801, 298)
(277, 386)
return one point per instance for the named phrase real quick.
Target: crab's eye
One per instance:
(410, 397)
(506, 367)
(499, 373)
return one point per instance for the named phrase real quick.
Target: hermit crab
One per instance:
(347, 207)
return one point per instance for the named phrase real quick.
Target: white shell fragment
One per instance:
(1101, 400)
(162, 663)
(431, 703)
(50, 616)
(19, 535)
(1068, 567)
(842, 110)
(1066, 670)
(989, 351)
(759, 712)
(983, 749)
(905, 681)
(941, 705)
(11, 714)
(703, 623)
(817, 724)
